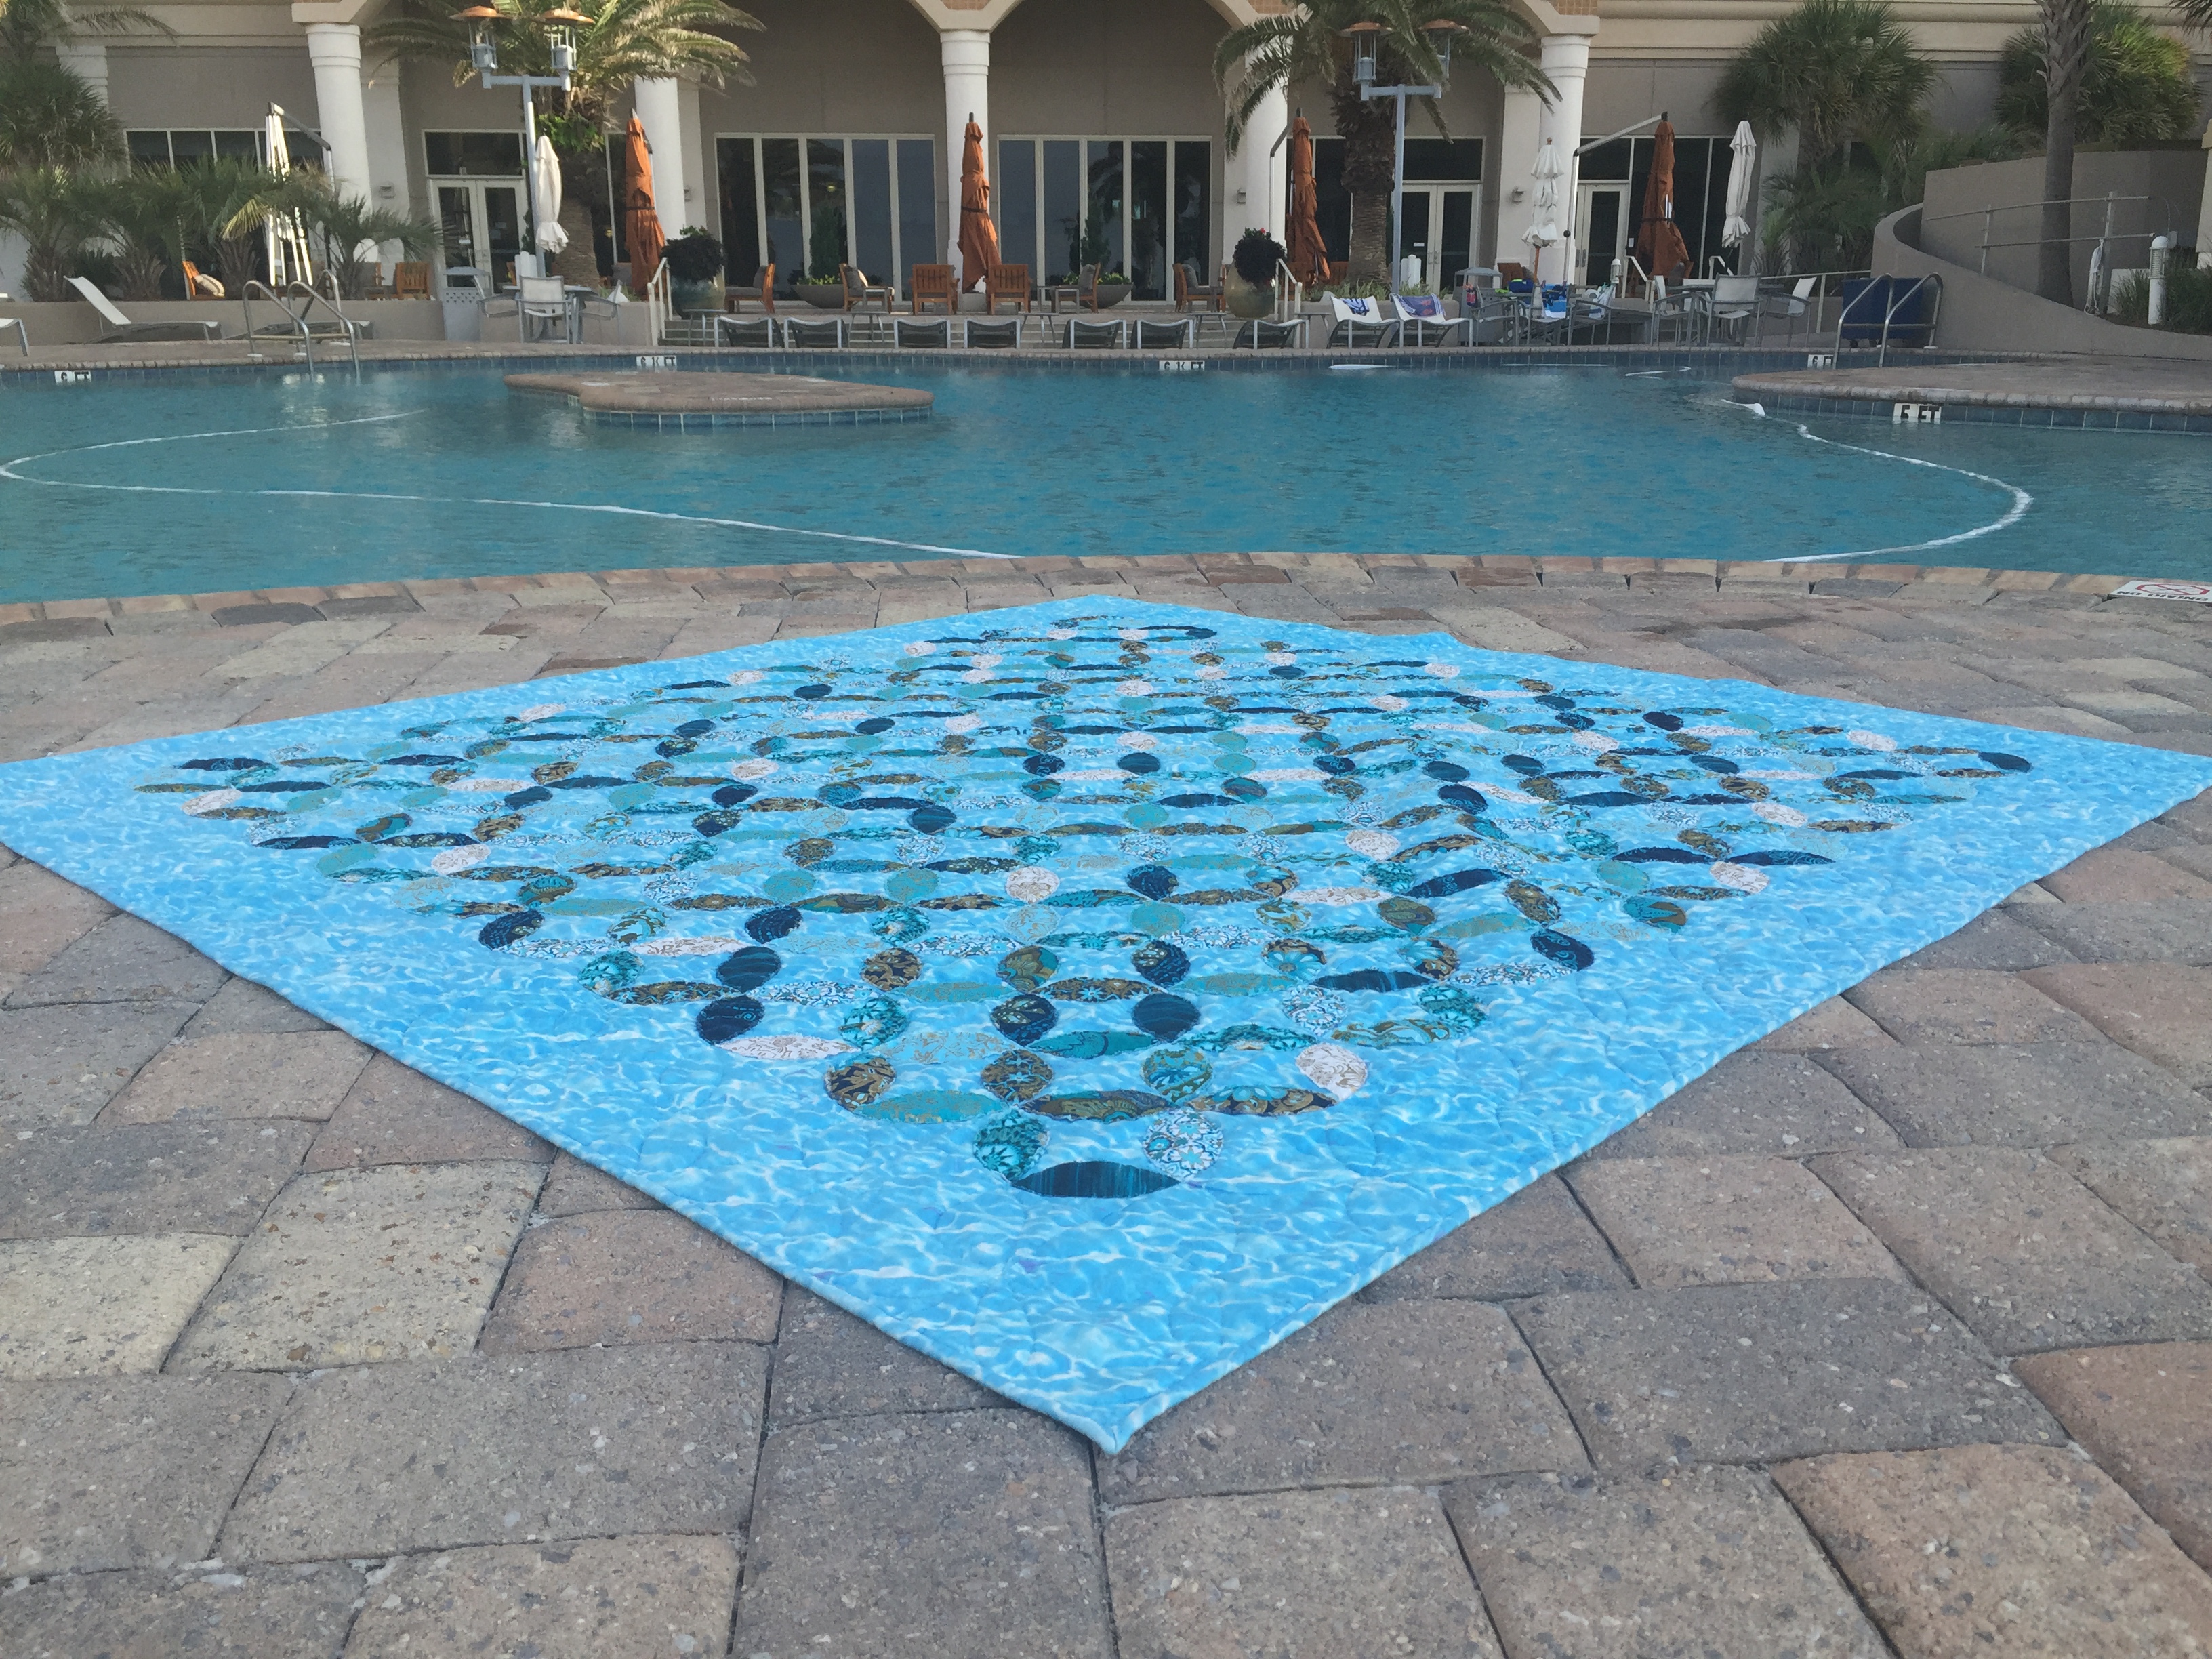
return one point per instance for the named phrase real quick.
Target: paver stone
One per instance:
(2022, 1253)
(59, 1065)
(2034, 1094)
(242, 1006)
(1832, 1024)
(208, 1175)
(1680, 1221)
(630, 1276)
(2164, 1187)
(2002, 1552)
(1757, 1101)
(1406, 1391)
(2163, 1011)
(1536, 1241)
(597, 1598)
(2174, 930)
(394, 1115)
(965, 1533)
(576, 1188)
(212, 1611)
(399, 1262)
(1295, 1575)
(1677, 1565)
(302, 1074)
(830, 1364)
(40, 914)
(1962, 1005)
(72, 1307)
(113, 1472)
(2117, 875)
(521, 1449)
(122, 960)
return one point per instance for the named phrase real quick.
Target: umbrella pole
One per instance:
(527, 255)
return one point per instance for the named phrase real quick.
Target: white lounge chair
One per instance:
(1354, 315)
(114, 325)
(22, 334)
(1424, 312)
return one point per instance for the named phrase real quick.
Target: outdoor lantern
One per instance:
(1364, 38)
(484, 51)
(1440, 36)
(565, 23)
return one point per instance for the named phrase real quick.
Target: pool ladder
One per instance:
(301, 320)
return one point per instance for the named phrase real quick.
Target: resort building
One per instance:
(1101, 118)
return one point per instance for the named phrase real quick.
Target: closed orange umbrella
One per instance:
(1308, 258)
(640, 219)
(979, 237)
(1659, 239)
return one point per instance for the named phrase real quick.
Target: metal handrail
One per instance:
(245, 300)
(659, 306)
(347, 325)
(1898, 303)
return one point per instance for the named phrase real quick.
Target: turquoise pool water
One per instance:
(197, 485)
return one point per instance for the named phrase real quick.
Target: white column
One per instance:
(661, 111)
(88, 58)
(1258, 187)
(1566, 60)
(334, 50)
(1520, 137)
(2205, 213)
(966, 55)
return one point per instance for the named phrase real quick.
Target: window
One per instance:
(1701, 170)
(807, 206)
(1136, 206)
(183, 146)
(472, 155)
(1443, 160)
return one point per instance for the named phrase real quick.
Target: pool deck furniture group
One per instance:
(1890, 1336)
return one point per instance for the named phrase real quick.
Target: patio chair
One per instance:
(1263, 335)
(933, 285)
(860, 291)
(1083, 335)
(22, 334)
(762, 290)
(1422, 313)
(1493, 319)
(1354, 316)
(538, 306)
(935, 332)
(1734, 302)
(1003, 284)
(200, 286)
(114, 325)
(826, 333)
(995, 334)
(1190, 291)
(411, 279)
(756, 332)
(1155, 333)
(1793, 305)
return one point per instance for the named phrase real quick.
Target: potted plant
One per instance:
(1248, 284)
(1113, 288)
(694, 271)
(822, 287)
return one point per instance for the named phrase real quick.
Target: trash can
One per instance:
(464, 311)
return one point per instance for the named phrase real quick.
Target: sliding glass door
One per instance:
(1139, 206)
(807, 206)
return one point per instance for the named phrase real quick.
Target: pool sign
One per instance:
(2193, 592)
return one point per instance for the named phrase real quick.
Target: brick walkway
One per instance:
(1890, 1336)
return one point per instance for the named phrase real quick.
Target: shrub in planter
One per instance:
(695, 262)
(1250, 288)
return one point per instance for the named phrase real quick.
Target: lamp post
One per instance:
(484, 54)
(1366, 41)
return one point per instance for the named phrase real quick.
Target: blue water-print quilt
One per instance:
(1091, 993)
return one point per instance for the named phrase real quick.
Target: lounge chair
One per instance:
(860, 291)
(114, 325)
(1356, 316)
(998, 334)
(22, 334)
(933, 285)
(1003, 284)
(1263, 334)
(1190, 291)
(922, 332)
(762, 291)
(1083, 334)
(411, 279)
(756, 332)
(198, 285)
(827, 332)
(1422, 313)
(1154, 333)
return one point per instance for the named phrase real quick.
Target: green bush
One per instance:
(2188, 298)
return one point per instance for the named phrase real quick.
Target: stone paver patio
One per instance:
(1889, 1336)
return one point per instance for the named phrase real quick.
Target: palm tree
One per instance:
(2135, 86)
(26, 26)
(1833, 70)
(217, 192)
(51, 117)
(627, 39)
(52, 211)
(2065, 26)
(1307, 46)
(341, 230)
(143, 218)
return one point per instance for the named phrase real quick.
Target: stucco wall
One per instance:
(1132, 68)
(1620, 93)
(836, 66)
(210, 87)
(2175, 176)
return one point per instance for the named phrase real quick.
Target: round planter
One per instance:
(1243, 299)
(685, 297)
(1112, 293)
(823, 296)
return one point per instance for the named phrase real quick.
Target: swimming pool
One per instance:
(197, 484)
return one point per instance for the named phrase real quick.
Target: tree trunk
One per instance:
(1370, 236)
(1370, 131)
(2066, 26)
(576, 263)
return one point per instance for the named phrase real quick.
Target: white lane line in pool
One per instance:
(2021, 501)
(8, 470)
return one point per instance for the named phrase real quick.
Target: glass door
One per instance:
(480, 229)
(1600, 228)
(1438, 228)
(458, 233)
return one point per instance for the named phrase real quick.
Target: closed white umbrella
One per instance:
(1736, 231)
(1544, 231)
(551, 239)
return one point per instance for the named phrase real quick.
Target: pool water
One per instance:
(196, 485)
